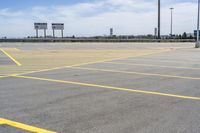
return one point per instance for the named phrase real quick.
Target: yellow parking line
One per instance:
(23, 126)
(151, 59)
(94, 62)
(111, 87)
(13, 59)
(17, 49)
(3, 77)
(137, 73)
(56, 68)
(150, 65)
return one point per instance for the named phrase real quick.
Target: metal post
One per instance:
(159, 19)
(53, 33)
(198, 43)
(36, 33)
(62, 33)
(171, 29)
(45, 33)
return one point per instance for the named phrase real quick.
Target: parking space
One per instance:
(5, 60)
(128, 80)
(74, 108)
(157, 91)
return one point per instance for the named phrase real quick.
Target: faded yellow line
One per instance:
(13, 59)
(94, 62)
(17, 49)
(137, 73)
(23, 126)
(4, 76)
(150, 59)
(150, 65)
(56, 68)
(111, 87)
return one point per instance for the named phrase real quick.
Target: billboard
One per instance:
(57, 26)
(40, 26)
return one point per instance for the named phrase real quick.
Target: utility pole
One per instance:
(171, 30)
(159, 19)
(198, 43)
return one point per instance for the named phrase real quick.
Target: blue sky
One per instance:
(95, 17)
(18, 4)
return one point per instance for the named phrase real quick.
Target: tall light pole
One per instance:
(158, 19)
(171, 28)
(198, 43)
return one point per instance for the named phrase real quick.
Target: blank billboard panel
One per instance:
(40, 26)
(57, 26)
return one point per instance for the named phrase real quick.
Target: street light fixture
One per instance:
(198, 43)
(171, 29)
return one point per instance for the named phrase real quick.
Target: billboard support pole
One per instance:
(53, 33)
(45, 33)
(36, 33)
(62, 33)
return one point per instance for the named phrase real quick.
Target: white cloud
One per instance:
(88, 19)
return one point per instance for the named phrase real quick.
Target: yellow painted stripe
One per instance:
(111, 87)
(13, 59)
(94, 62)
(1, 122)
(151, 59)
(3, 77)
(17, 49)
(23, 126)
(137, 73)
(151, 65)
(56, 68)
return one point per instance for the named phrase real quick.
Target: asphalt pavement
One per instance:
(158, 93)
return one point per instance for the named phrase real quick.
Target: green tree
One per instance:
(184, 36)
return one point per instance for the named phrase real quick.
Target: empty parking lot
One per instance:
(99, 88)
